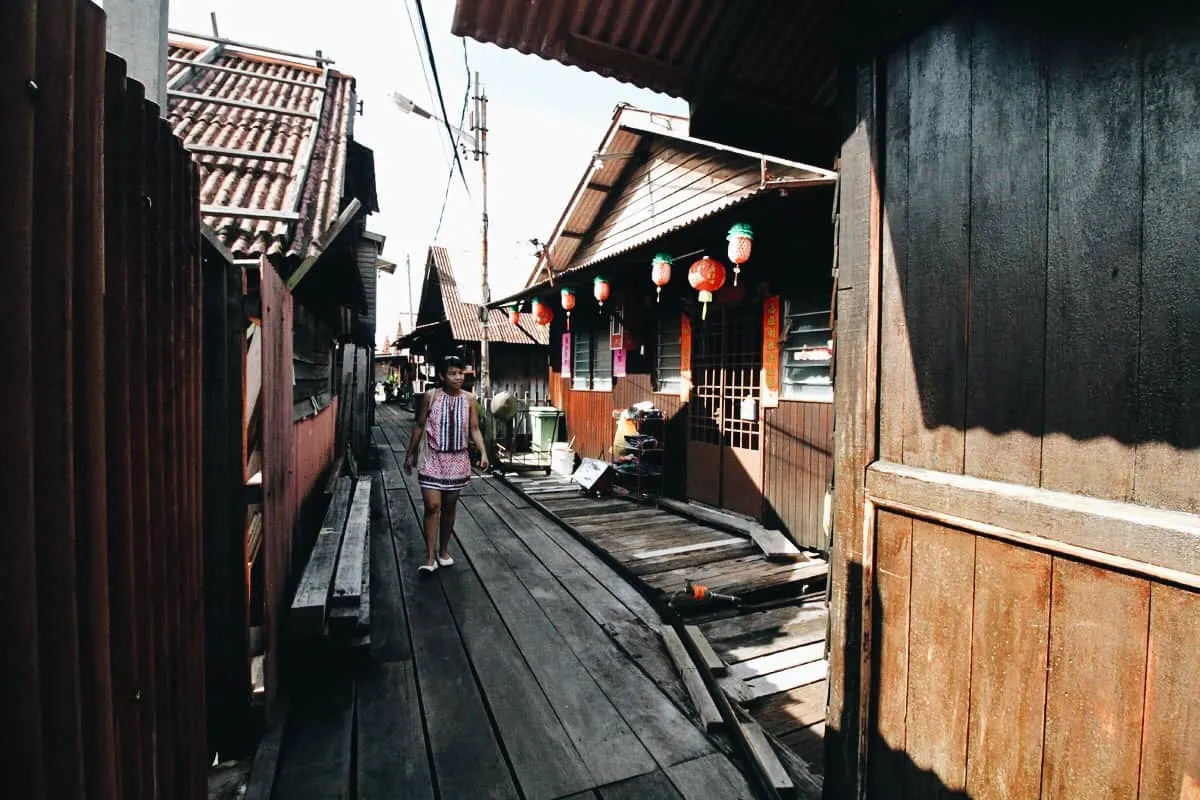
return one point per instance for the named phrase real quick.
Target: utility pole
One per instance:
(412, 317)
(479, 126)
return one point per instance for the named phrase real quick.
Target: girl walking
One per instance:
(446, 421)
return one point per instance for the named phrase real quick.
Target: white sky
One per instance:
(544, 121)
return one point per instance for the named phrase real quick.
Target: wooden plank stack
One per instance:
(332, 601)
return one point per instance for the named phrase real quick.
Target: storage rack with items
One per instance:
(638, 457)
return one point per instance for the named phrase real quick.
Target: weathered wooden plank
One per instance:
(609, 747)
(642, 555)
(797, 708)
(897, 373)
(457, 726)
(391, 759)
(935, 290)
(712, 662)
(1008, 253)
(1168, 427)
(695, 558)
(1094, 259)
(317, 761)
(347, 586)
(753, 627)
(1171, 731)
(787, 679)
(1096, 685)
(267, 756)
(893, 579)
(939, 663)
(764, 756)
(307, 617)
(1143, 539)
(775, 546)
(612, 603)
(656, 721)
(541, 752)
(388, 622)
(1008, 662)
(710, 777)
(779, 661)
(651, 786)
(702, 701)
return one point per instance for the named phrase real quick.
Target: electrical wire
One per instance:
(441, 98)
(462, 118)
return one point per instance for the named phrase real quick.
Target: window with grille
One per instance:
(807, 351)
(591, 361)
(668, 355)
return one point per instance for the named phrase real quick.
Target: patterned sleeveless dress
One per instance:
(444, 463)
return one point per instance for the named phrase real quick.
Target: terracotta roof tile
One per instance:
(306, 174)
(464, 317)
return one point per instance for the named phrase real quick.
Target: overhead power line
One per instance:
(462, 118)
(441, 98)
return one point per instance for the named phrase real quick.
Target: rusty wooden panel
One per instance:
(1098, 631)
(938, 208)
(313, 448)
(893, 579)
(1008, 670)
(798, 456)
(53, 391)
(1171, 730)
(1093, 279)
(20, 679)
(939, 665)
(88, 341)
(1007, 310)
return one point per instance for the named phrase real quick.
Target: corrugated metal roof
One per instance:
(670, 181)
(306, 170)
(783, 50)
(464, 317)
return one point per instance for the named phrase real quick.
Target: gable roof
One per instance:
(647, 178)
(270, 137)
(463, 318)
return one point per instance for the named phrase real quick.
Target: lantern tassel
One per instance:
(568, 321)
(736, 271)
(658, 294)
(704, 311)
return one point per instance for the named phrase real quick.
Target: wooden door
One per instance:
(725, 463)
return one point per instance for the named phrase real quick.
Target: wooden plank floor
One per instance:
(666, 550)
(776, 657)
(528, 670)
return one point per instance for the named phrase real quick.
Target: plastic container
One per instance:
(562, 459)
(542, 426)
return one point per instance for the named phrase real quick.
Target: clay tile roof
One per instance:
(304, 144)
(464, 317)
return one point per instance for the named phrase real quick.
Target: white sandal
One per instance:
(445, 562)
(430, 568)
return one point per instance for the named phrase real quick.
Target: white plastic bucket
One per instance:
(562, 459)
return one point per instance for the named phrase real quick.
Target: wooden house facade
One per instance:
(284, 194)
(1016, 558)
(446, 325)
(745, 384)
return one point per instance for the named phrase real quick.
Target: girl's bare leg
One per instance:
(449, 512)
(433, 522)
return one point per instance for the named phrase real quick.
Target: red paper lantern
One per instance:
(706, 276)
(542, 313)
(740, 238)
(601, 290)
(515, 315)
(660, 273)
(568, 302)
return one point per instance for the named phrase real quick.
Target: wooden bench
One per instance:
(332, 600)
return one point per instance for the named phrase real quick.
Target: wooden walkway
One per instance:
(528, 670)
(775, 665)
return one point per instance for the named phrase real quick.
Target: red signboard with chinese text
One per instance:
(565, 370)
(685, 357)
(770, 369)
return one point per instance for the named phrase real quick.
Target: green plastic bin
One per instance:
(543, 428)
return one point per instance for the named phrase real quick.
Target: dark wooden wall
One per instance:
(1041, 316)
(1018, 318)
(798, 456)
(102, 667)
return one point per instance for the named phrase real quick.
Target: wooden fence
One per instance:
(101, 675)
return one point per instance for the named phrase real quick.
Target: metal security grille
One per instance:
(726, 365)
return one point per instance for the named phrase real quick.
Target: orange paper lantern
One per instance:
(568, 302)
(740, 238)
(660, 273)
(515, 315)
(706, 276)
(542, 313)
(600, 290)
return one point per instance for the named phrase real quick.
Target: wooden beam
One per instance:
(201, 150)
(185, 76)
(1151, 541)
(249, 213)
(317, 58)
(225, 101)
(196, 64)
(344, 219)
(596, 186)
(571, 234)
